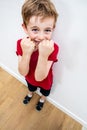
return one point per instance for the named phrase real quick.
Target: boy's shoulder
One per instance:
(19, 41)
(18, 47)
(56, 46)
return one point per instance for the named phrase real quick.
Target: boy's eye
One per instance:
(35, 30)
(48, 30)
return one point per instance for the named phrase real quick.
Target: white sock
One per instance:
(29, 95)
(42, 100)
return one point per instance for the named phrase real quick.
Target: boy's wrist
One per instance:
(42, 58)
(26, 56)
(43, 55)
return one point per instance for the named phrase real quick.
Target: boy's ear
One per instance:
(24, 28)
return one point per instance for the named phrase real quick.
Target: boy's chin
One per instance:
(36, 43)
(36, 48)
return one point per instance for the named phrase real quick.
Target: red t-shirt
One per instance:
(47, 82)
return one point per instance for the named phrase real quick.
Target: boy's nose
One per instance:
(41, 36)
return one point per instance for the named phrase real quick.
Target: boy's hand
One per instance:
(46, 47)
(27, 46)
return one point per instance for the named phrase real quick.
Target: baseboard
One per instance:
(83, 128)
(69, 113)
(18, 77)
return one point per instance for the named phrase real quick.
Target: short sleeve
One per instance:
(18, 48)
(53, 56)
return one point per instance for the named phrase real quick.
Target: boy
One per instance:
(37, 52)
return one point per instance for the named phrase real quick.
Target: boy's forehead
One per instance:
(38, 20)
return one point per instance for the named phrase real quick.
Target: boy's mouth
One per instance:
(36, 42)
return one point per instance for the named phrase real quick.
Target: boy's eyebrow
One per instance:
(45, 27)
(49, 28)
(34, 27)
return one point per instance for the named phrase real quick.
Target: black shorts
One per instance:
(34, 88)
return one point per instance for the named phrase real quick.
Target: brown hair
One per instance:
(43, 8)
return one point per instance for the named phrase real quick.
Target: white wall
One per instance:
(69, 91)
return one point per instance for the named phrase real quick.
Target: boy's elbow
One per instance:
(22, 72)
(39, 77)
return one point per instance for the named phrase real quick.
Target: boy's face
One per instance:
(39, 29)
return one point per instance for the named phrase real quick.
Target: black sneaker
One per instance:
(26, 99)
(39, 105)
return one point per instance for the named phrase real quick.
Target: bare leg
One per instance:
(28, 97)
(40, 104)
(30, 93)
(43, 98)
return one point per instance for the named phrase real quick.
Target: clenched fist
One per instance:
(27, 46)
(46, 47)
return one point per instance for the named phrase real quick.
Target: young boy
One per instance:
(37, 52)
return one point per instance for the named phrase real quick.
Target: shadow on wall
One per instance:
(69, 36)
(60, 34)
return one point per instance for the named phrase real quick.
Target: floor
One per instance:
(14, 115)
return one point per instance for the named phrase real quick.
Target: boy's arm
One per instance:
(43, 64)
(23, 61)
(42, 69)
(23, 64)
